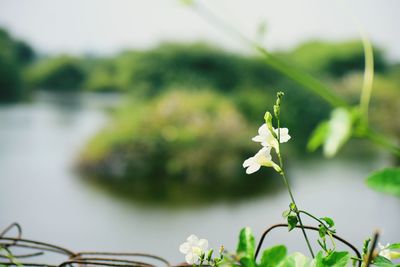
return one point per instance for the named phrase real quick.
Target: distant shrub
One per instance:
(191, 66)
(335, 59)
(181, 145)
(59, 73)
(10, 78)
(103, 76)
(14, 55)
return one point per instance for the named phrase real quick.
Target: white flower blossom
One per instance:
(267, 139)
(262, 158)
(386, 252)
(193, 248)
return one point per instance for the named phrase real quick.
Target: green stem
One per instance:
(368, 77)
(313, 217)
(382, 141)
(302, 78)
(322, 223)
(305, 80)
(298, 214)
(290, 192)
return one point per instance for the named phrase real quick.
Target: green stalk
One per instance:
(290, 192)
(313, 217)
(302, 78)
(368, 77)
(382, 141)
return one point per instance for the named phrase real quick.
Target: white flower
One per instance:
(383, 251)
(193, 248)
(266, 138)
(262, 158)
(389, 254)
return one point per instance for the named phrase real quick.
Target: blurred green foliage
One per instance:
(198, 135)
(57, 74)
(198, 66)
(14, 56)
(178, 146)
(334, 59)
(193, 66)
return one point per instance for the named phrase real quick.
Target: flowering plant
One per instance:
(270, 139)
(346, 121)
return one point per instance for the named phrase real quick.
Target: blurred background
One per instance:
(124, 124)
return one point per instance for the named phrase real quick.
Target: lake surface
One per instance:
(39, 142)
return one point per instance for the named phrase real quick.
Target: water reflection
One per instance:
(40, 140)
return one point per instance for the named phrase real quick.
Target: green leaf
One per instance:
(339, 131)
(247, 262)
(296, 260)
(286, 213)
(246, 246)
(383, 262)
(318, 136)
(322, 231)
(273, 256)
(394, 246)
(336, 259)
(292, 221)
(329, 221)
(386, 181)
(366, 245)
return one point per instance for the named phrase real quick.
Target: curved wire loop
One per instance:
(86, 258)
(308, 228)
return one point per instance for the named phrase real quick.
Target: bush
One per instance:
(103, 77)
(334, 59)
(59, 74)
(183, 145)
(191, 66)
(13, 56)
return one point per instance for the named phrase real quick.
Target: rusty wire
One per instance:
(305, 227)
(95, 258)
(85, 258)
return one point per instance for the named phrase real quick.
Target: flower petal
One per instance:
(192, 240)
(264, 154)
(263, 130)
(248, 162)
(253, 168)
(184, 248)
(191, 258)
(265, 150)
(284, 135)
(203, 244)
(258, 138)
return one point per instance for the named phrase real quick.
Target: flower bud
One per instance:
(277, 106)
(268, 121)
(209, 255)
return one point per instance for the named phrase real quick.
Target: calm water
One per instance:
(38, 188)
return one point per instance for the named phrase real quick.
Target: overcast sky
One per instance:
(107, 26)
